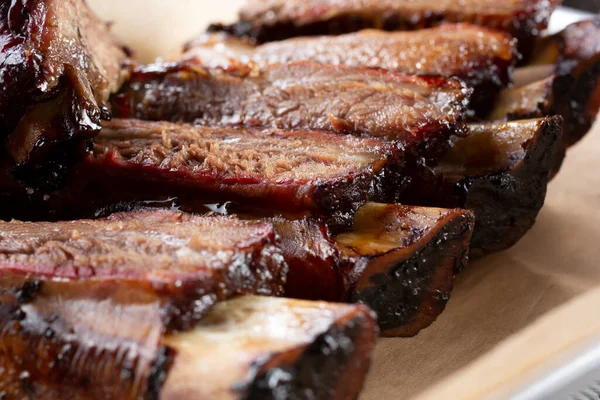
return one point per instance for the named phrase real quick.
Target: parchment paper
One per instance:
(497, 300)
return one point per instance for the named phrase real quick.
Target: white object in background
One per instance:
(565, 16)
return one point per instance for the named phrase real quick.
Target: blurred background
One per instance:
(587, 5)
(172, 22)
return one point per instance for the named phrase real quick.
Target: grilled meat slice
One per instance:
(58, 67)
(419, 112)
(84, 342)
(401, 261)
(271, 20)
(563, 80)
(500, 171)
(184, 263)
(266, 348)
(484, 61)
(86, 350)
(291, 171)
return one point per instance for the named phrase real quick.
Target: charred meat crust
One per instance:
(400, 261)
(570, 88)
(325, 353)
(578, 48)
(484, 62)
(313, 171)
(500, 171)
(408, 286)
(58, 91)
(61, 348)
(184, 263)
(275, 20)
(55, 346)
(418, 112)
(314, 369)
(539, 99)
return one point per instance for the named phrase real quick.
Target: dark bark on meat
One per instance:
(81, 342)
(63, 348)
(563, 80)
(58, 67)
(325, 355)
(500, 171)
(263, 21)
(418, 112)
(184, 263)
(407, 278)
(290, 171)
(400, 261)
(482, 58)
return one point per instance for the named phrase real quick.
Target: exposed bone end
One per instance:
(255, 347)
(405, 260)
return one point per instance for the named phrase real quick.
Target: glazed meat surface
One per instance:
(500, 171)
(278, 19)
(480, 57)
(310, 171)
(187, 262)
(419, 112)
(58, 66)
(59, 347)
(242, 346)
(562, 80)
(401, 261)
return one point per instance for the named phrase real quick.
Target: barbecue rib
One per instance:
(295, 349)
(420, 112)
(183, 263)
(298, 171)
(401, 261)
(61, 348)
(269, 20)
(562, 80)
(500, 171)
(484, 60)
(58, 67)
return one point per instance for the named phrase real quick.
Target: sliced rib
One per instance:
(484, 60)
(418, 112)
(400, 261)
(60, 347)
(292, 171)
(271, 20)
(58, 66)
(562, 80)
(184, 263)
(500, 171)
